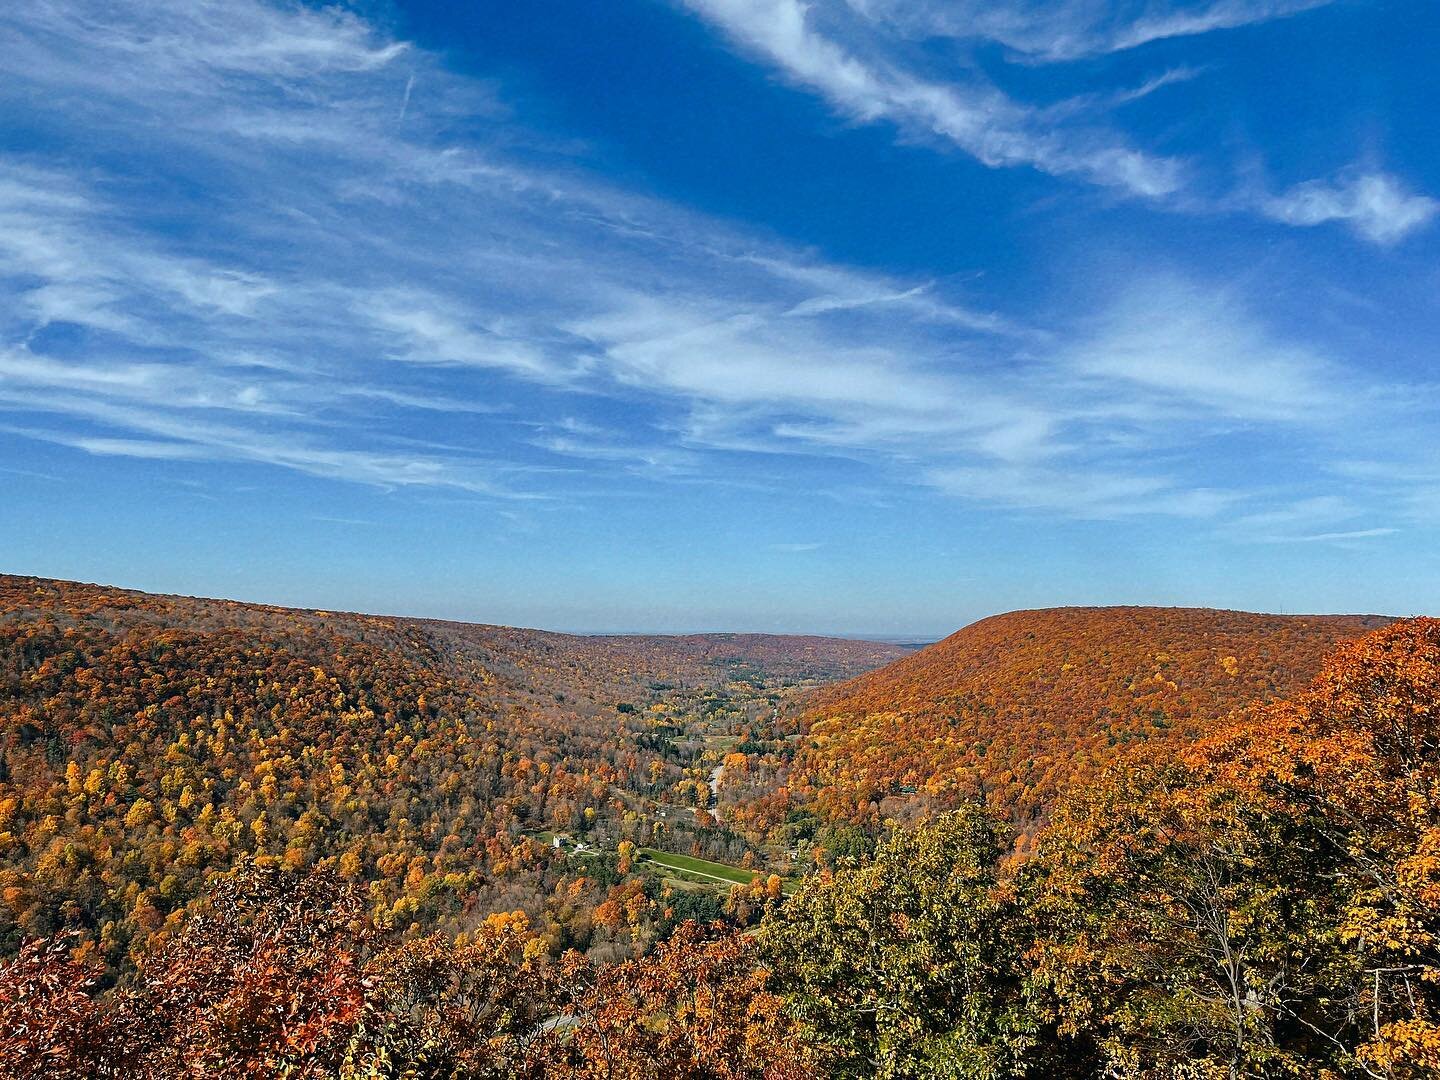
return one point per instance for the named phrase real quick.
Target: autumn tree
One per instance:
(1358, 755)
(1266, 903)
(280, 974)
(51, 1027)
(266, 980)
(1180, 927)
(482, 1007)
(905, 965)
(699, 1006)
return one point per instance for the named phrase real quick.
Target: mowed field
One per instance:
(700, 867)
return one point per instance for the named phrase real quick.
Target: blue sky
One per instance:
(854, 316)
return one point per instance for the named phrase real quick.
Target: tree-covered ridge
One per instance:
(148, 743)
(1262, 903)
(1015, 707)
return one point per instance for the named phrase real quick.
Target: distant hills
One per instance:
(542, 654)
(1018, 705)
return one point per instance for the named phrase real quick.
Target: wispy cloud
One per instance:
(590, 443)
(429, 329)
(973, 115)
(1317, 519)
(1353, 534)
(1081, 493)
(389, 304)
(1051, 32)
(137, 448)
(1375, 205)
(1407, 485)
(1200, 350)
(855, 54)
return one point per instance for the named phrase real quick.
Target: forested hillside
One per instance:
(1261, 902)
(1015, 707)
(148, 743)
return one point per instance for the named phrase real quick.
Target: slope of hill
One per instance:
(1019, 705)
(148, 742)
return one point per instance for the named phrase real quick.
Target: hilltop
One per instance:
(1019, 705)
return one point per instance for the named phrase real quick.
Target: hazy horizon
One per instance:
(681, 629)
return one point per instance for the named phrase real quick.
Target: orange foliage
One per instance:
(148, 743)
(267, 982)
(1016, 707)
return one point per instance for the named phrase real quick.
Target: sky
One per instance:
(848, 316)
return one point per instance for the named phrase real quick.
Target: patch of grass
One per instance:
(701, 867)
(685, 881)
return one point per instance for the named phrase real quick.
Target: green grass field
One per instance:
(701, 867)
(684, 869)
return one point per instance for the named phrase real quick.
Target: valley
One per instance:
(610, 829)
(152, 742)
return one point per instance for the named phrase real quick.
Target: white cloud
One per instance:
(1353, 534)
(587, 442)
(1051, 31)
(854, 54)
(191, 49)
(344, 270)
(1189, 20)
(173, 386)
(716, 354)
(1406, 484)
(1081, 493)
(1317, 519)
(152, 449)
(1375, 205)
(1198, 349)
(973, 115)
(187, 439)
(432, 330)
